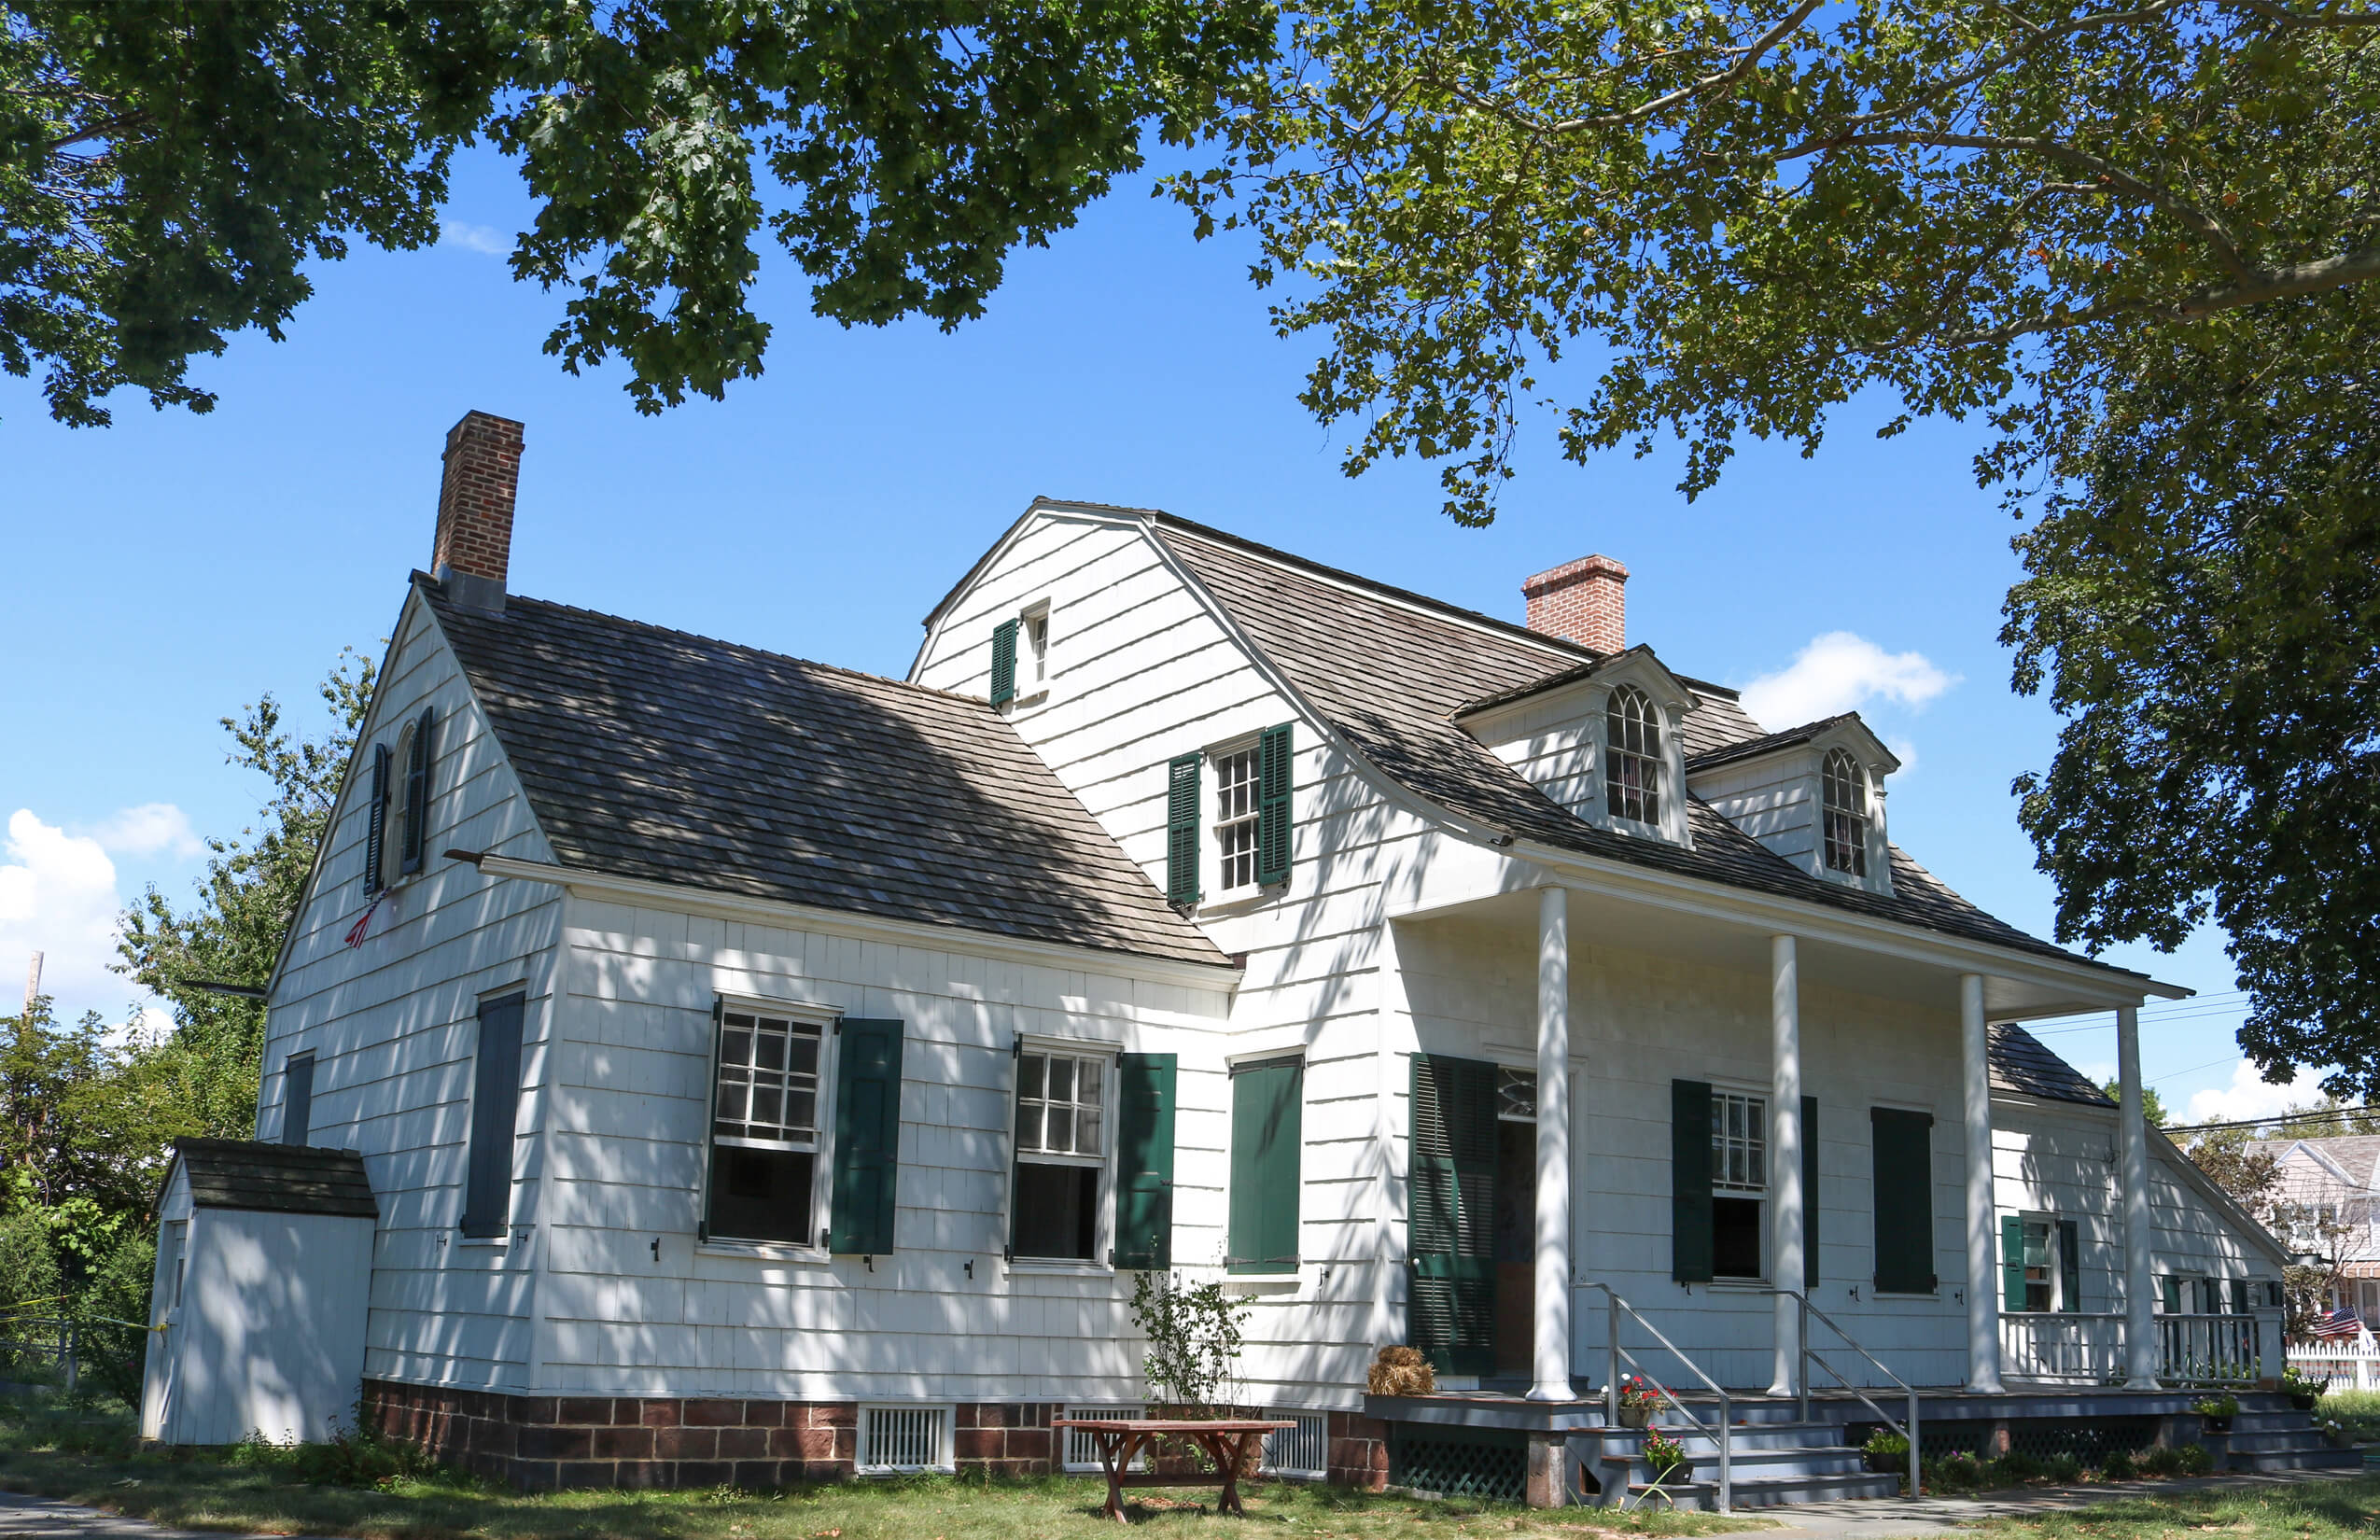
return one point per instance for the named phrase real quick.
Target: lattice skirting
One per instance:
(1454, 1462)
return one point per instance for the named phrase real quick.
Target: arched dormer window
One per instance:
(1845, 786)
(1632, 757)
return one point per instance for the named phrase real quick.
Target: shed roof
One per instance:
(1390, 672)
(651, 753)
(247, 1173)
(2019, 1063)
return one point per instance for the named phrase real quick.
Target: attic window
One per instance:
(1632, 764)
(1846, 807)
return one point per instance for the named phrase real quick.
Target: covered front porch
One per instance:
(1604, 1029)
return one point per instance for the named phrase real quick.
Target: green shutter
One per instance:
(495, 1105)
(2173, 1296)
(1903, 1147)
(2011, 1262)
(1144, 1161)
(1182, 830)
(1004, 680)
(416, 846)
(1451, 1214)
(376, 817)
(1273, 764)
(1268, 1113)
(867, 1137)
(2069, 1266)
(1808, 1193)
(1690, 1181)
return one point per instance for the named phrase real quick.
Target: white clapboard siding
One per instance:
(392, 1024)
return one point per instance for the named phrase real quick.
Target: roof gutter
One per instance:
(844, 922)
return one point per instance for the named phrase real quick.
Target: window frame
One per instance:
(1109, 1056)
(828, 1019)
(1756, 1140)
(2053, 1262)
(1663, 792)
(1032, 654)
(1248, 747)
(1856, 821)
(396, 812)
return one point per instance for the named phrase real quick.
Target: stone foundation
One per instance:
(543, 1442)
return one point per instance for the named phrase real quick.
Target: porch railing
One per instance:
(2062, 1345)
(2209, 1350)
(1809, 1355)
(1615, 1355)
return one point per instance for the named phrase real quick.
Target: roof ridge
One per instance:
(721, 641)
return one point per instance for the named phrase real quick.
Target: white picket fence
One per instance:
(2343, 1361)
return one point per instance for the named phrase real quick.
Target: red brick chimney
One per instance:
(472, 551)
(1585, 601)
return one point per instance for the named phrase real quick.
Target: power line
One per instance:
(2324, 1115)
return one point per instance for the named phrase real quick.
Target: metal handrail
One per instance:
(1615, 1353)
(1809, 1355)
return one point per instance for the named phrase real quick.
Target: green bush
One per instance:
(2118, 1466)
(356, 1455)
(2160, 1461)
(1885, 1451)
(114, 1298)
(2017, 1465)
(2194, 1459)
(28, 1279)
(1959, 1470)
(2065, 1469)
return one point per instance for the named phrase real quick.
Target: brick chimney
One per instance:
(472, 551)
(1585, 601)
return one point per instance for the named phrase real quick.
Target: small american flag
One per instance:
(355, 933)
(2342, 1322)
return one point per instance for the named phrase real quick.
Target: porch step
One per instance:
(1764, 1493)
(2303, 1457)
(1820, 1460)
(1744, 1436)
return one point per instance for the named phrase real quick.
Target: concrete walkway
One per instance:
(1877, 1519)
(24, 1518)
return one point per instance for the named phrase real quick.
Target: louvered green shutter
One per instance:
(1004, 680)
(2173, 1296)
(2011, 1262)
(417, 761)
(1690, 1181)
(2239, 1297)
(495, 1105)
(2070, 1266)
(1451, 1214)
(376, 817)
(867, 1137)
(1182, 830)
(1901, 1144)
(1144, 1161)
(1808, 1193)
(1273, 765)
(1267, 1113)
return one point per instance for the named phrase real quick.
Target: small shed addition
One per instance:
(263, 1280)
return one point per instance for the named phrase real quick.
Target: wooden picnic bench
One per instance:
(1226, 1441)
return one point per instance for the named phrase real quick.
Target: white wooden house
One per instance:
(766, 1071)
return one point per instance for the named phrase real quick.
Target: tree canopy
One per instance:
(167, 170)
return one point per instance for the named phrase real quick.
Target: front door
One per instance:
(1451, 1214)
(1516, 1242)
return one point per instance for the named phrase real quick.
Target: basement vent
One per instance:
(1082, 1454)
(1302, 1452)
(904, 1440)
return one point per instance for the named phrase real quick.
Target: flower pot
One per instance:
(2303, 1403)
(1668, 1473)
(1636, 1417)
(2217, 1425)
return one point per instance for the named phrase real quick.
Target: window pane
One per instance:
(1061, 1129)
(1061, 1079)
(768, 1105)
(1029, 1075)
(1056, 1211)
(736, 1047)
(1086, 1130)
(1735, 1237)
(760, 1195)
(1028, 1127)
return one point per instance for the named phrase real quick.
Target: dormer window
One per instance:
(1633, 760)
(1844, 784)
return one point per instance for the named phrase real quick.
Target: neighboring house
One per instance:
(766, 1071)
(2329, 1206)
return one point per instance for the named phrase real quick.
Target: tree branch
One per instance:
(2293, 282)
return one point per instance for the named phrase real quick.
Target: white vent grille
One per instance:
(1302, 1450)
(1082, 1454)
(898, 1440)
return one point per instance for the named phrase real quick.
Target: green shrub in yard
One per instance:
(2065, 1469)
(2017, 1465)
(2118, 1466)
(2161, 1461)
(1958, 1470)
(2194, 1459)
(1886, 1450)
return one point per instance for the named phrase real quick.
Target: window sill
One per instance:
(484, 1242)
(1739, 1286)
(1905, 1293)
(1239, 900)
(1060, 1267)
(1261, 1283)
(764, 1250)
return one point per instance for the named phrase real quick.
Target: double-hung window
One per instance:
(2040, 1263)
(1061, 1154)
(764, 1173)
(1739, 1182)
(1235, 819)
(1632, 757)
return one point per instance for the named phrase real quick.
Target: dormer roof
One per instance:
(1638, 664)
(1871, 748)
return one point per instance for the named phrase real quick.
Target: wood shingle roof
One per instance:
(245, 1173)
(656, 755)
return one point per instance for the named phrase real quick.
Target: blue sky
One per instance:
(163, 572)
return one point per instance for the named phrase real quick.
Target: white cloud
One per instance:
(2250, 1095)
(482, 239)
(1841, 672)
(58, 897)
(153, 828)
(2098, 1071)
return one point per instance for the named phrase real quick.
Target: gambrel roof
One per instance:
(657, 754)
(1392, 670)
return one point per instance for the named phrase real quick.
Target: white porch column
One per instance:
(1785, 1231)
(1983, 1215)
(2140, 1320)
(1551, 1355)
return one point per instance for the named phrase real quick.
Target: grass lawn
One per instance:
(2315, 1511)
(264, 1491)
